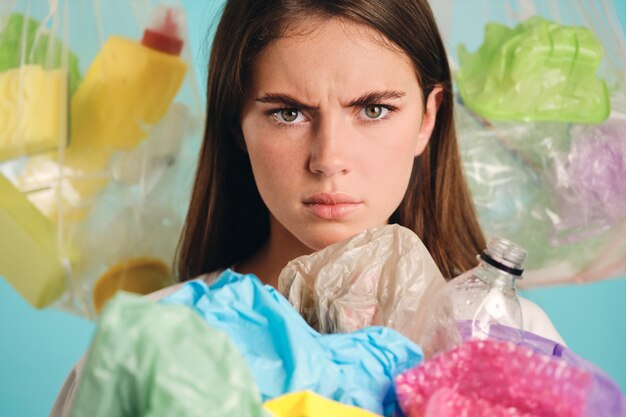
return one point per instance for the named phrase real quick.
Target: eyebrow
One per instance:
(376, 96)
(370, 97)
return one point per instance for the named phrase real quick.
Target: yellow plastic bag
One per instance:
(309, 404)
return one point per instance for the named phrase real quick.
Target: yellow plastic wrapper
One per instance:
(383, 276)
(309, 404)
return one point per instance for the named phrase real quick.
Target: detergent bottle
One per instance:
(126, 91)
(129, 86)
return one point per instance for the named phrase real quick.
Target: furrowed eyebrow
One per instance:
(285, 100)
(375, 97)
(370, 97)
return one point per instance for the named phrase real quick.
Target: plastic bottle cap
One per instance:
(139, 275)
(506, 253)
(164, 36)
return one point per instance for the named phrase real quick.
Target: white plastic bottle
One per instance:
(481, 303)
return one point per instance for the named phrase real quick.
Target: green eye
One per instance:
(288, 115)
(373, 111)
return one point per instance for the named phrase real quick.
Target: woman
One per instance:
(341, 58)
(324, 119)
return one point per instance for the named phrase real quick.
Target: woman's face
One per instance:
(332, 122)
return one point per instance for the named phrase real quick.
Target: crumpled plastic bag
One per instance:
(539, 70)
(382, 276)
(148, 359)
(494, 378)
(309, 404)
(285, 354)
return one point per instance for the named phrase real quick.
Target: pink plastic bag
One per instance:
(490, 377)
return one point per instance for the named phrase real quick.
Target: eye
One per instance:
(288, 116)
(375, 111)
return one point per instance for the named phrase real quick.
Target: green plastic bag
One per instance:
(539, 70)
(150, 360)
(24, 40)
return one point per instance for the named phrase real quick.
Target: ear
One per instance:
(433, 102)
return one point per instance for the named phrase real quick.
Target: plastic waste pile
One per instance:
(283, 366)
(541, 107)
(99, 134)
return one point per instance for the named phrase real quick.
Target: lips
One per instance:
(332, 206)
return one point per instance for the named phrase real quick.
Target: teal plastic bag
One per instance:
(151, 360)
(285, 354)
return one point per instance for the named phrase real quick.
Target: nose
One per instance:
(329, 154)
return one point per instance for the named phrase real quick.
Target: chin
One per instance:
(322, 237)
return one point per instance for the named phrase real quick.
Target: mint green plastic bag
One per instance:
(154, 360)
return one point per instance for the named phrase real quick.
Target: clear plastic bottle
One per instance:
(481, 303)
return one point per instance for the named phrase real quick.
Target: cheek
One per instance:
(390, 165)
(274, 167)
(390, 172)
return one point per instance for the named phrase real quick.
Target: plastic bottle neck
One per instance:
(495, 277)
(165, 37)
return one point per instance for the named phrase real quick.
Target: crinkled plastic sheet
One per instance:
(113, 181)
(383, 276)
(286, 355)
(541, 175)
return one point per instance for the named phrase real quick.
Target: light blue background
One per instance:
(38, 348)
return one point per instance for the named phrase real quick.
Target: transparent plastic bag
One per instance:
(380, 277)
(112, 178)
(542, 173)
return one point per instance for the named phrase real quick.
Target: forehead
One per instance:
(333, 51)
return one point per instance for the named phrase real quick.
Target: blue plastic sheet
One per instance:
(285, 354)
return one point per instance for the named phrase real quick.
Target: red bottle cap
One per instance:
(165, 36)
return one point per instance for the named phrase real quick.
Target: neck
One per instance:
(280, 248)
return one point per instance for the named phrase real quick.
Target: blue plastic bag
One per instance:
(285, 354)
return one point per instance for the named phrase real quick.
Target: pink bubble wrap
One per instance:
(491, 378)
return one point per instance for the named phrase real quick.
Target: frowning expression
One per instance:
(332, 122)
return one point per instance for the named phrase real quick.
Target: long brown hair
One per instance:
(227, 221)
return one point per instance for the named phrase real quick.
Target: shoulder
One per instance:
(65, 397)
(537, 321)
(164, 292)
